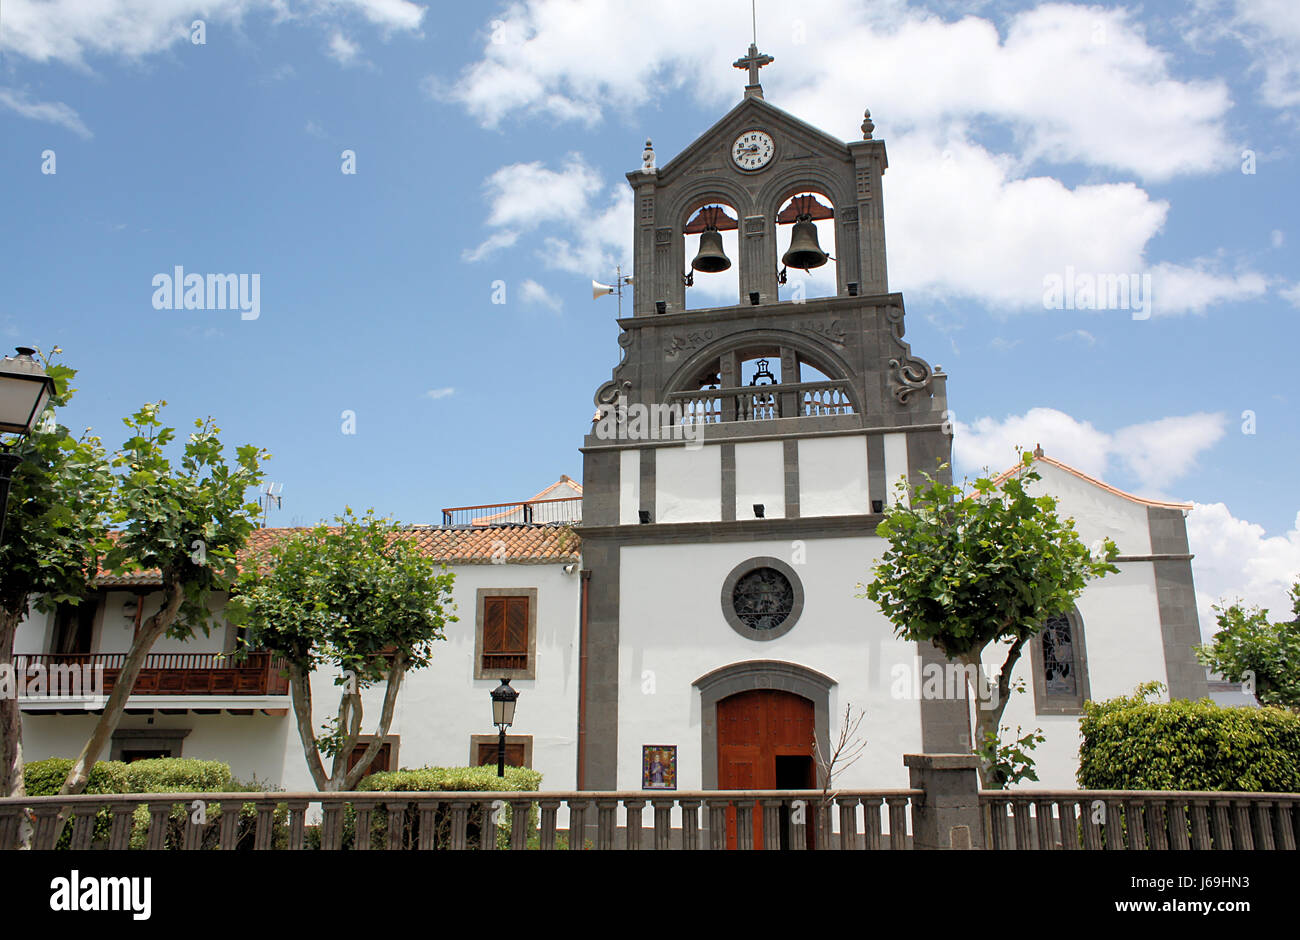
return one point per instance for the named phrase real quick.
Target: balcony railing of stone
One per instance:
(1139, 819)
(164, 673)
(764, 402)
(525, 512)
(712, 819)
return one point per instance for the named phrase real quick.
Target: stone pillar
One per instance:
(948, 815)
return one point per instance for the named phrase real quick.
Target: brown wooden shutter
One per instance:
(487, 754)
(516, 633)
(494, 624)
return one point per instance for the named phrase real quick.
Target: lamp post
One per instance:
(503, 716)
(25, 390)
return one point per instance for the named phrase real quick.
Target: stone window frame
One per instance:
(731, 680)
(133, 739)
(530, 671)
(1045, 704)
(394, 742)
(475, 740)
(729, 591)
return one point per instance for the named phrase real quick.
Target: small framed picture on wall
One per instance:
(659, 767)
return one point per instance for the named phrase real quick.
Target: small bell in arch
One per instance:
(711, 259)
(804, 252)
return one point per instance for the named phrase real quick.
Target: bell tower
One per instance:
(764, 422)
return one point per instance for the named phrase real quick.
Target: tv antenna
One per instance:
(599, 290)
(270, 495)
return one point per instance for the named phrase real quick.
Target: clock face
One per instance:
(753, 150)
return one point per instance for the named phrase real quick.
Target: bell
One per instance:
(804, 251)
(711, 259)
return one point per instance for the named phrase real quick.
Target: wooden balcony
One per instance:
(173, 673)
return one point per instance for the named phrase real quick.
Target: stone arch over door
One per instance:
(758, 674)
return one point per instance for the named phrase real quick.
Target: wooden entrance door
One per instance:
(754, 729)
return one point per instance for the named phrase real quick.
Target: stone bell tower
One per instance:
(683, 450)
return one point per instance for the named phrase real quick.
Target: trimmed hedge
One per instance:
(434, 779)
(1132, 744)
(157, 775)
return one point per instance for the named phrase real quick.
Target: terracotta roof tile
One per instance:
(480, 545)
(1006, 474)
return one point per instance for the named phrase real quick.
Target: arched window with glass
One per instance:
(1060, 666)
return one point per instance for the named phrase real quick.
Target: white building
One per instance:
(707, 628)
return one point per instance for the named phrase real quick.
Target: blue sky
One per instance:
(490, 145)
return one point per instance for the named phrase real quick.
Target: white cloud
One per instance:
(1291, 295)
(70, 31)
(1238, 559)
(437, 393)
(1156, 452)
(341, 49)
(535, 294)
(1074, 83)
(1277, 238)
(1082, 336)
(1271, 30)
(590, 223)
(52, 112)
(1177, 288)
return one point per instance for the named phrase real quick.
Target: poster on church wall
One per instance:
(659, 767)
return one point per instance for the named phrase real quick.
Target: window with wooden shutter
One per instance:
(505, 641)
(505, 633)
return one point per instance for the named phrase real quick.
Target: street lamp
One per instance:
(25, 390)
(503, 716)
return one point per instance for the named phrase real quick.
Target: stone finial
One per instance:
(1038, 450)
(648, 156)
(867, 125)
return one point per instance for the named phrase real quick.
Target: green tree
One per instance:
(967, 572)
(359, 599)
(187, 521)
(54, 532)
(1265, 656)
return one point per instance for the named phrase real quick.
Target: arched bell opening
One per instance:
(806, 247)
(712, 250)
(762, 380)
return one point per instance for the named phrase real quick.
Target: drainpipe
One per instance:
(582, 682)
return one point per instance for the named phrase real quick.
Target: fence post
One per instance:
(948, 814)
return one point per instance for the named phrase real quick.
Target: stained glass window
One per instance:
(1059, 662)
(763, 599)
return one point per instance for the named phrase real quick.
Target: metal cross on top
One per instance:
(754, 61)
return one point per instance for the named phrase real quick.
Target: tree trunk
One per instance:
(300, 693)
(11, 719)
(152, 629)
(989, 719)
(392, 685)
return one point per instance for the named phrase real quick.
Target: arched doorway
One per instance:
(765, 742)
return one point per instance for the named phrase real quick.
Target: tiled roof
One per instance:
(507, 544)
(1038, 455)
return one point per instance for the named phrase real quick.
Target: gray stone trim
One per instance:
(742, 530)
(525, 739)
(945, 722)
(925, 453)
(791, 456)
(728, 482)
(1180, 626)
(877, 487)
(601, 556)
(758, 674)
(1168, 528)
(1056, 704)
(812, 306)
(169, 739)
(531, 671)
(648, 482)
(1136, 558)
(729, 590)
(1180, 629)
(775, 429)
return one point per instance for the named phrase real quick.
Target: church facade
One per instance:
(702, 626)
